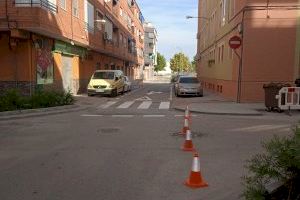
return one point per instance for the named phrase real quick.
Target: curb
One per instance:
(214, 113)
(19, 114)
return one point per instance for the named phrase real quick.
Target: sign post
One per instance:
(235, 42)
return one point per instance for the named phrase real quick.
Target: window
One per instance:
(121, 11)
(125, 42)
(232, 8)
(219, 54)
(108, 29)
(63, 4)
(223, 12)
(99, 16)
(121, 39)
(89, 16)
(151, 35)
(188, 80)
(75, 8)
(230, 53)
(222, 53)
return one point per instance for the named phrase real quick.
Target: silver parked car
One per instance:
(188, 85)
(127, 82)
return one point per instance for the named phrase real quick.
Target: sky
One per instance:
(175, 32)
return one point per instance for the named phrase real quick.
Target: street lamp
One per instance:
(100, 20)
(191, 17)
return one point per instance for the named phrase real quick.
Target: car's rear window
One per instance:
(188, 80)
(104, 75)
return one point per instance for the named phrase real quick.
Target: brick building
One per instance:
(59, 43)
(270, 35)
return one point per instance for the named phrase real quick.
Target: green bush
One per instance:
(280, 163)
(12, 100)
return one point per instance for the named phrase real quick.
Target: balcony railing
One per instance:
(46, 4)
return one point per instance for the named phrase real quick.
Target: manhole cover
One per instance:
(108, 130)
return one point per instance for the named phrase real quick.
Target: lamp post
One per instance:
(198, 34)
(191, 17)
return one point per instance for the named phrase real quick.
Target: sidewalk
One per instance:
(19, 114)
(211, 103)
(223, 108)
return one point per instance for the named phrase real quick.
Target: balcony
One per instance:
(45, 4)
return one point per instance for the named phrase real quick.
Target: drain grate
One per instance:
(108, 130)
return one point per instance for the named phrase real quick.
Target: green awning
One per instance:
(69, 49)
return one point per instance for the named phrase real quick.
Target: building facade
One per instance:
(60, 43)
(269, 51)
(150, 48)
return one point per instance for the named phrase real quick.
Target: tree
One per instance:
(193, 64)
(180, 63)
(161, 63)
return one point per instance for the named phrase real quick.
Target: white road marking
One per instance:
(152, 92)
(183, 115)
(164, 105)
(108, 104)
(259, 128)
(126, 104)
(145, 105)
(91, 115)
(144, 98)
(148, 116)
(123, 116)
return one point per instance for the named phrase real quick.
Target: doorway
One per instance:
(67, 73)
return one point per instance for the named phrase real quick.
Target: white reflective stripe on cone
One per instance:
(187, 111)
(186, 123)
(188, 135)
(196, 164)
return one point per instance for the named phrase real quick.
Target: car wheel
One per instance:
(114, 93)
(90, 95)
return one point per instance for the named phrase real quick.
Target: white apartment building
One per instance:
(150, 50)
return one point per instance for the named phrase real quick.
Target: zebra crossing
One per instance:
(140, 105)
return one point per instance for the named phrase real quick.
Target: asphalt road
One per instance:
(125, 151)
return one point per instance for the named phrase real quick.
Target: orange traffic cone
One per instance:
(187, 114)
(185, 126)
(195, 180)
(188, 144)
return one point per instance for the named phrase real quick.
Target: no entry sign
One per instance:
(235, 42)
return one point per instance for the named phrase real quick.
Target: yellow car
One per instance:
(106, 82)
